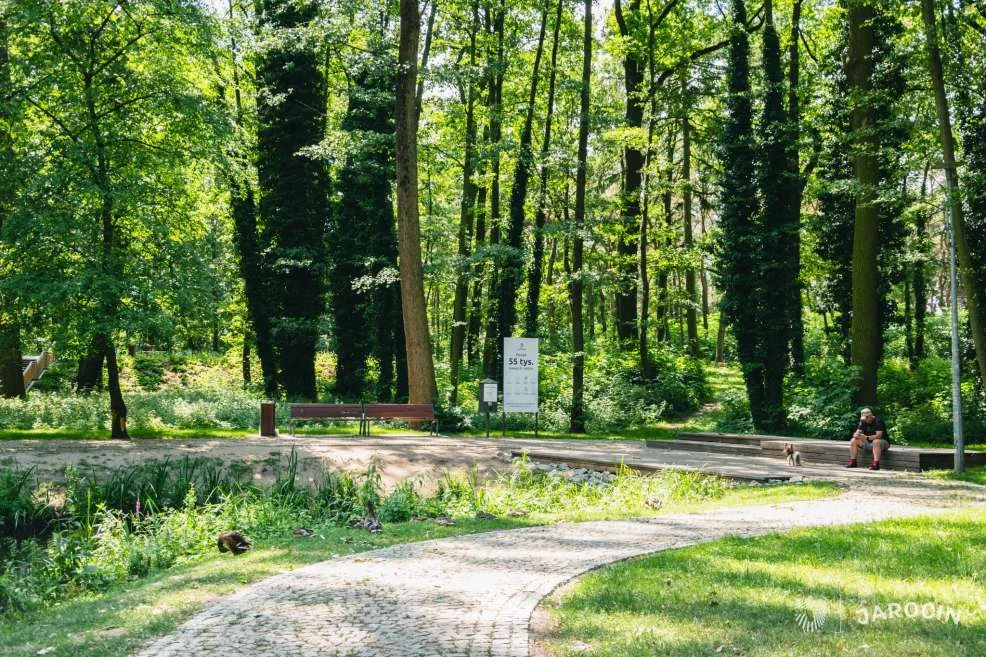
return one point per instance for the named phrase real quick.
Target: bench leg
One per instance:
(291, 428)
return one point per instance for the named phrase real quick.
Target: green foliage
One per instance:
(149, 371)
(137, 521)
(820, 404)
(24, 510)
(402, 504)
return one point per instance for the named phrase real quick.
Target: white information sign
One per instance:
(489, 393)
(520, 375)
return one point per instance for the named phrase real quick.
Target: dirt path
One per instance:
(419, 458)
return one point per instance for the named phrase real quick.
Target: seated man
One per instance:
(871, 435)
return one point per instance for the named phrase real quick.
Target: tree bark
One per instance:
(118, 409)
(466, 220)
(866, 329)
(577, 420)
(975, 295)
(294, 191)
(420, 366)
(89, 376)
(690, 287)
(633, 157)
(243, 209)
(513, 268)
(796, 190)
(11, 372)
(493, 346)
(540, 217)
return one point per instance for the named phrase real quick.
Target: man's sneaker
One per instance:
(852, 464)
(875, 465)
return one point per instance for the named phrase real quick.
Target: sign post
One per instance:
(520, 378)
(488, 394)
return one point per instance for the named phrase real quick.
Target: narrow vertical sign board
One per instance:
(520, 375)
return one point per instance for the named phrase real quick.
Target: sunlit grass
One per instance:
(742, 596)
(975, 475)
(119, 620)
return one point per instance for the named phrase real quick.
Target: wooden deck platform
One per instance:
(830, 452)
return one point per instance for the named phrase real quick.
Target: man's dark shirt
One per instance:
(871, 428)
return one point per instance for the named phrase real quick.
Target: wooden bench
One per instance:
(405, 412)
(306, 412)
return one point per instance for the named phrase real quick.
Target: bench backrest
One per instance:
(399, 411)
(328, 411)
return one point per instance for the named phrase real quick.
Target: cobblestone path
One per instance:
(474, 595)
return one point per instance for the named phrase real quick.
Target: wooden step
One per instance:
(730, 438)
(837, 453)
(701, 446)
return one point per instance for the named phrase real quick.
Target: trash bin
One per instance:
(268, 419)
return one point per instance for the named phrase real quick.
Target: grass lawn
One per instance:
(743, 597)
(975, 475)
(118, 621)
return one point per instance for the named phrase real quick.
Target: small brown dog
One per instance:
(793, 455)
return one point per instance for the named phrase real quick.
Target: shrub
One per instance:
(402, 504)
(149, 370)
(820, 403)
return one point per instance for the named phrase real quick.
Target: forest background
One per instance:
(208, 204)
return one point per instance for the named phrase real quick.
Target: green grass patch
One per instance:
(975, 475)
(107, 579)
(743, 596)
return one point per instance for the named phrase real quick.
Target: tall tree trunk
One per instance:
(513, 266)
(919, 274)
(643, 352)
(777, 282)
(633, 157)
(690, 289)
(866, 325)
(89, 376)
(478, 269)
(466, 221)
(420, 366)
(703, 272)
(243, 209)
(550, 281)
(111, 261)
(739, 248)
(796, 190)
(493, 347)
(245, 236)
(294, 187)
(975, 295)
(11, 374)
(540, 217)
(118, 409)
(245, 361)
(663, 276)
(577, 421)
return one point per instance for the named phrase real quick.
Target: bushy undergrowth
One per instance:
(916, 403)
(103, 531)
(616, 395)
(202, 391)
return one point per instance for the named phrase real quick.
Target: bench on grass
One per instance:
(405, 412)
(308, 412)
